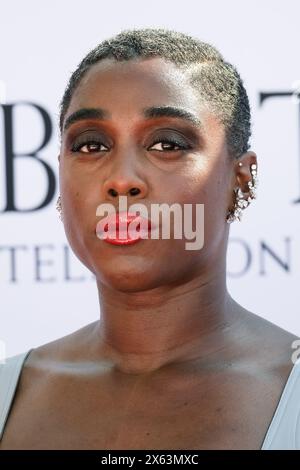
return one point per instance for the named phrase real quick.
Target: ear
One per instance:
(243, 170)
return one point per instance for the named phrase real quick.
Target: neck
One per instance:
(144, 331)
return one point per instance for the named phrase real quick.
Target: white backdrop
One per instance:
(45, 292)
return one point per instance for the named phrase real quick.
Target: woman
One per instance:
(155, 116)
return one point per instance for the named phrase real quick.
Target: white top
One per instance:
(283, 432)
(10, 373)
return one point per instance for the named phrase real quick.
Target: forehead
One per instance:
(146, 82)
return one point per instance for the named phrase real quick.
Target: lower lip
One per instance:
(125, 240)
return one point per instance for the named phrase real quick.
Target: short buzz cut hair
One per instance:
(218, 82)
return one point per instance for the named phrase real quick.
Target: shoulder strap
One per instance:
(10, 373)
(284, 430)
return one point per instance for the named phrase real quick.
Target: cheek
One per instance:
(78, 213)
(79, 195)
(203, 183)
(206, 184)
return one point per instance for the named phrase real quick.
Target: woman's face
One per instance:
(128, 150)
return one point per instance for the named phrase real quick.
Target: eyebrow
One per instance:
(148, 113)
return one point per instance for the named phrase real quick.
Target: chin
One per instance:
(125, 283)
(128, 276)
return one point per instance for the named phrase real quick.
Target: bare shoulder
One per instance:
(66, 348)
(46, 365)
(41, 386)
(47, 359)
(272, 345)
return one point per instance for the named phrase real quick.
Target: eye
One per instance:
(168, 144)
(92, 146)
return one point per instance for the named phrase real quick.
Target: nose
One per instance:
(124, 180)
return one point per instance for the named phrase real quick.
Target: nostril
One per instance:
(134, 191)
(112, 192)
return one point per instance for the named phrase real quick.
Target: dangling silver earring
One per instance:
(58, 207)
(240, 202)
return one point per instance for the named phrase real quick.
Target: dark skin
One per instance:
(174, 362)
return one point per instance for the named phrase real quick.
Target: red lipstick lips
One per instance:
(123, 228)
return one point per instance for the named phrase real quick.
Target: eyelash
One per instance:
(94, 141)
